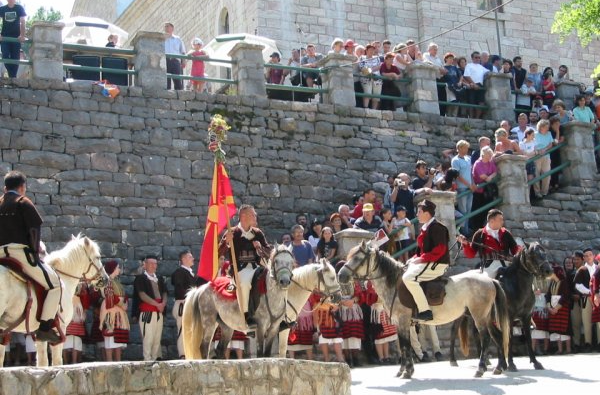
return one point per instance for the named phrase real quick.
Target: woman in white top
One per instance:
(402, 58)
(527, 147)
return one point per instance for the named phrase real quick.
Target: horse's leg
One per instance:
(2, 349)
(496, 336)
(270, 338)
(484, 341)
(226, 335)
(530, 351)
(57, 354)
(283, 342)
(209, 325)
(511, 364)
(406, 352)
(260, 342)
(42, 353)
(453, 334)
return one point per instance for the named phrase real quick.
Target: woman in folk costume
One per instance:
(387, 334)
(540, 316)
(301, 334)
(76, 329)
(595, 298)
(353, 329)
(95, 334)
(114, 322)
(558, 300)
(325, 317)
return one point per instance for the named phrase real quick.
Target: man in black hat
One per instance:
(431, 260)
(183, 278)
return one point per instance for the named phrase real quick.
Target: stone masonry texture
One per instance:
(134, 174)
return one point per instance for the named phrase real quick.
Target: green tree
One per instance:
(581, 16)
(46, 15)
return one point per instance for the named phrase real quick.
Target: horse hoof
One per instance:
(512, 368)
(538, 366)
(478, 373)
(406, 375)
(497, 371)
(454, 363)
(399, 373)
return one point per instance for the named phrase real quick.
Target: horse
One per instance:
(204, 311)
(516, 281)
(319, 277)
(78, 260)
(481, 296)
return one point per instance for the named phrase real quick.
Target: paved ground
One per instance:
(570, 374)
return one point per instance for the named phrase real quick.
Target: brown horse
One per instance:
(481, 296)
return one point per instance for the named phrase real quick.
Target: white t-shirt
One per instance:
(404, 233)
(476, 72)
(527, 147)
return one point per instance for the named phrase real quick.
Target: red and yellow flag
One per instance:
(220, 205)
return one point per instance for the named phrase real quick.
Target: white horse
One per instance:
(78, 260)
(315, 277)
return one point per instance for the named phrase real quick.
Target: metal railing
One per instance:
(305, 92)
(24, 46)
(100, 52)
(206, 59)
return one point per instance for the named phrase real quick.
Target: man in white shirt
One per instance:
(474, 74)
(518, 132)
(174, 45)
(430, 57)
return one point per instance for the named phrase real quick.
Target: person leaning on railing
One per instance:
(389, 88)
(543, 142)
(174, 45)
(484, 170)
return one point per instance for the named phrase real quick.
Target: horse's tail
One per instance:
(191, 325)
(463, 334)
(501, 316)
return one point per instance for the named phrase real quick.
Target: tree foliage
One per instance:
(581, 16)
(45, 15)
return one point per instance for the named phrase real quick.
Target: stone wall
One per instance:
(247, 377)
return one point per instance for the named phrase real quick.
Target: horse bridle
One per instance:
(277, 270)
(320, 280)
(84, 275)
(526, 266)
(368, 256)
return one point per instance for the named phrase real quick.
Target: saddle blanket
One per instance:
(226, 289)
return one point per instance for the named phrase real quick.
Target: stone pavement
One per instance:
(574, 374)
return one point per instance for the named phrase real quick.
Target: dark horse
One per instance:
(516, 281)
(480, 295)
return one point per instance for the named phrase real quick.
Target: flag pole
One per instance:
(217, 133)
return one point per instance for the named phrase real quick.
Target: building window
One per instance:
(224, 22)
(486, 5)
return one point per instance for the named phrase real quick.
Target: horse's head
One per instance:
(282, 262)
(328, 279)
(86, 253)
(535, 261)
(359, 263)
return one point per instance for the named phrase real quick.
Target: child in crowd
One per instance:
(352, 326)
(327, 246)
(197, 65)
(405, 231)
(114, 322)
(301, 335)
(329, 330)
(75, 333)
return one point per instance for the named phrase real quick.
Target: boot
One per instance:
(286, 325)
(45, 332)
(250, 321)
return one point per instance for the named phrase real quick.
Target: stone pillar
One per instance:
(498, 97)
(149, 61)
(512, 186)
(444, 211)
(566, 92)
(349, 238)
(47, 51)
(423, 88)
(248, 69)
(338, 81)
(580, 151)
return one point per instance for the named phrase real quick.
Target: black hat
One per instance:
(427, 205)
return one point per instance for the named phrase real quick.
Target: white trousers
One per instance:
(417, 273)
(151, 326)
(245, 285)
(42, 273)
(177, 313)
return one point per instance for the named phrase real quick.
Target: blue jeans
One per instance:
(11, 51)
(464, 206)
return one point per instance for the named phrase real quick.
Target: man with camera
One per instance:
(403, 195)
(424, 178)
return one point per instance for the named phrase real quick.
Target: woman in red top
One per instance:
(558, 301)
(390, 73)
(197, 65)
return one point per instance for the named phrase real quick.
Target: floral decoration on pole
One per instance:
(217, 134)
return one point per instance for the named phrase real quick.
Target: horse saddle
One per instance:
(15, 268)
(435, 292)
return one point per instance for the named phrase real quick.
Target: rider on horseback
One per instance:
(250, 245)
(494, 243)
(20, 226)
(431, 260)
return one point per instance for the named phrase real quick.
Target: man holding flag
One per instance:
(249, 246)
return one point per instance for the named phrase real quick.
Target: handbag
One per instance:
(490, 191)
